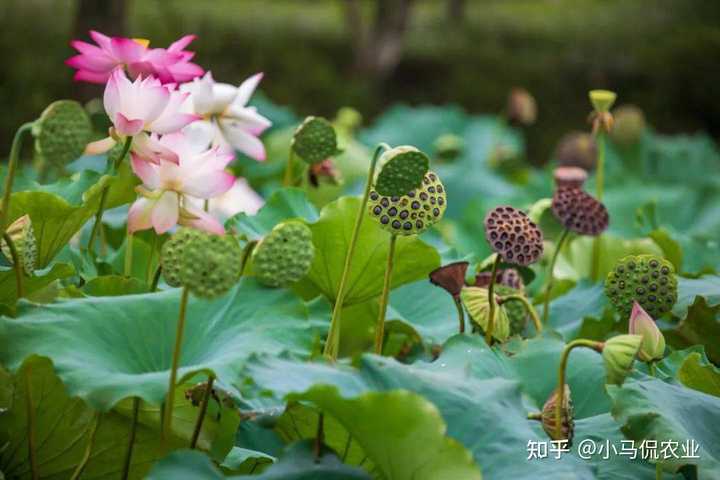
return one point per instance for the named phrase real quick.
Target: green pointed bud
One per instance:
(567, 420)
(315, 140)
(602, 100)
(172, 253)
(476, 302)
(62, 132)
(448, 146)
(23, 237)
(517, 315)
(210, 265)
(647, 279)
(412, 213)
(401, 170)
(653, 341)
(285, 255)
(619, 354)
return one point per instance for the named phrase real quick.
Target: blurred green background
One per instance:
(319, 55)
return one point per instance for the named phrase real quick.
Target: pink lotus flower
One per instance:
(168, 186)
(653, 341)
(227, 120)
(95, 64)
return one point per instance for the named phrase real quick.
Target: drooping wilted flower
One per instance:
(653, 341)
(450, 277)
(579, 212)
(513, 236)
(619, 353)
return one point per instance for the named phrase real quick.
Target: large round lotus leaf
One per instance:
(109, 348)
(315, 140)
(401, 170)
(63, 131)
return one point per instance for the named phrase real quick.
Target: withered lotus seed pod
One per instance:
(577, 149)
(647, 279)
(210, 265)
(521, 107)
(451, 277)
(401, 170)
(512, 235)
(62, 132)
(579, 211)
(315, 140)
(573, 177)
(504, 276)
(567, 421)
(23, 237)
(412, 213)
(285, 255)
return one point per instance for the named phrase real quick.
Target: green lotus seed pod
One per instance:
(211, 265)
(315, 140)
(448, 146)
(629, 125)
(602, 100)
(567, 413)
(402, 169)
(476, 302)
(172, 253)
(647, 279)
(412, 213)
(23, 237)
(517, 315)
(619, 354)
(62, 132)
(285, 255)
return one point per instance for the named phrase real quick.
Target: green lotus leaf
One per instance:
(707, 286)
(701, 326)
(699, 374)
(109, 348)
(414, 259)
(113, 285)
(39, 280)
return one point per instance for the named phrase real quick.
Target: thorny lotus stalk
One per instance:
(597, 346)
(203, 410)
(529, 308)
(170, 400)
(10, 176)
(333, 340)
(491, 300)
(17, 267)
(551, 276)
(380, 326)
(131, 438)
(103, 196)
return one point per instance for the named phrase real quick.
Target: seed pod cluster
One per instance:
(412, 213)
(513, 236)
(315, 140)
(567, 421)
(23, 237)
(647, 279)
(579, 212)
(285, 255)
(62, 132)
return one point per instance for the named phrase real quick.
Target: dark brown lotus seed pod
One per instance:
(505, 276)
(647, 279)
(579, 212)
(577, 149)
(412, 213)
(513, 236)
(567, 422)
(570, 177)
(451, 277)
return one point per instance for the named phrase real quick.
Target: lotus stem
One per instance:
(551, 276)
(535, 416)
(10, 177)
(203, 410)
(31, 424)
(461, 314)
(170, 400)
(247, 251)
(103, 197)
(288, 176)
(156, 279)
(333, 340)
(131, 438)
(88, 450)
(595, 267)
(319, 435)
(528, 308)
(491, 301)
(206, 205)
(600, 167)
(597, 346)
(127, 270)
(17, 268)
(380, 327)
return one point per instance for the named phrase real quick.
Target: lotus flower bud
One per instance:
(573, 177)
(285, 255)
(567, 421)
(513, 236)
(476, 302)
(451, 277)
(619, 354)
(62, 132)
(448, 146)
(602, 100)
(23, 237)
(315, 140)
(401, 170)
(521, 107)
(647, 279)
(579, 212)
(629, 125)
(412, 213)
(653, 341)
(577, 149)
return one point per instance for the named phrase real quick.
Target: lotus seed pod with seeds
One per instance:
(401, 170)
(210, 265)
(504, 276)
(172, 254)
(567, 414)
(285, 255)
(602, 100)
(573, 177)
(629, 125)
(62, 132)
(618, 355)
(476, 303)
(647, 279)
(521, 107)
(577, 149)
(579, 212)
(412, 213)
(450, 277)
(512, 235)
(315, 140)
(23, 237)
(517, 315)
